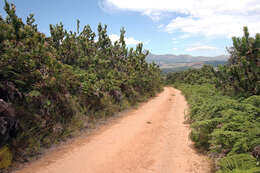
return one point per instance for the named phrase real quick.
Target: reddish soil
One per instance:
(150, 139)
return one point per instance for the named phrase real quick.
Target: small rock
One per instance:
(256, 151)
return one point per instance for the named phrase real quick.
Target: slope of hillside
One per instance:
(172, 63)
(170, 59)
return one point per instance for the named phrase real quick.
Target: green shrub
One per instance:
(242, 75)
(59, 84)
(239, 163)
(5, 157)
(224, 126)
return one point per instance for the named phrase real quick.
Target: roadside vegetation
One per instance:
(225, 107)
(52, 86)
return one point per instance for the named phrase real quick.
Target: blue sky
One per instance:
(195, 27)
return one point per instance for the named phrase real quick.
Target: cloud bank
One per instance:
(201, 48)
(128, 40)
(224, 18)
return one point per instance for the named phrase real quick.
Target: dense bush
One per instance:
(242, 75)
(226, 127)
(60, 83)
(225, 106)
(203, 75)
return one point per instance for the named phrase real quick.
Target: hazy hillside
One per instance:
(168, 58)
(172, 63)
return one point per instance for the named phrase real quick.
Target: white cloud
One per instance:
(128, 40)
(155, 16)
(148, 7)
(205, 17)
(201, 48)
(131, 41)
(215, 25)
(161, 26)
(114, 37)
(175, 48)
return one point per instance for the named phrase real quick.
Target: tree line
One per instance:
(51, 86)
(241, 76)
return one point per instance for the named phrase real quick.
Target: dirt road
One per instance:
(150, 139)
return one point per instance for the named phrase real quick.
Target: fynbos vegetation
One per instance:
(52, 86)
(242, 75)
(225, 107)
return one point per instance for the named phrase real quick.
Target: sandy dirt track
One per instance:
(150, 139)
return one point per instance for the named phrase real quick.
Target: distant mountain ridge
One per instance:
(170, 58)
(172, 63)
